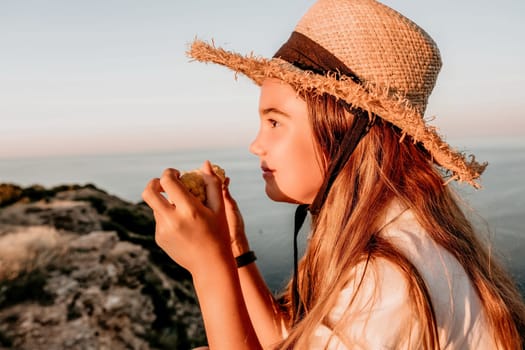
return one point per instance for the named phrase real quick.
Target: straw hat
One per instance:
(366, 54)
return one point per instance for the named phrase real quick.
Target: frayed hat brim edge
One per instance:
(375, 99)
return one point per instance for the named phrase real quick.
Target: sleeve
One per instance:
(380, 316)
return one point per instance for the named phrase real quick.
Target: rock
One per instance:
(80, 270)
(9, 193)
(73, 216)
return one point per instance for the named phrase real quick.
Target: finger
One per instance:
(213, 187)
(176, 191)
(230, 204)
(152, 195)
(207, 168)
(226, 191)
(226, 183)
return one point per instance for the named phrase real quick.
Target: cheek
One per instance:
(307, 182)
(303, 177)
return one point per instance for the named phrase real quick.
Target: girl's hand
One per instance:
(192, 234)
(238, 240)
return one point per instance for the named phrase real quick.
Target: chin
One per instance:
(276, 195)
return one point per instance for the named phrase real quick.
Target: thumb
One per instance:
(214, 199)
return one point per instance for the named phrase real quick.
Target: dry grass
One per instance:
(27, 249)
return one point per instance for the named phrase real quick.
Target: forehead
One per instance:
(277, 94)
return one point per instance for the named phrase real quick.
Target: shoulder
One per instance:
(459, 312)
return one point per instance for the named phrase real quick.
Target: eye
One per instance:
(273, 123)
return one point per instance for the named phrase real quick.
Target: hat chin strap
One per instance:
(297, 303)
(360, 127)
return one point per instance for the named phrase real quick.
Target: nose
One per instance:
(256, 146)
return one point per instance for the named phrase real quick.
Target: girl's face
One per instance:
(285, 145)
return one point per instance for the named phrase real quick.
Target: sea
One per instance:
(498, 209)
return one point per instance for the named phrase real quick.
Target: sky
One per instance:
(111, 76)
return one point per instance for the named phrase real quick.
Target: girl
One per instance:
(391, 262)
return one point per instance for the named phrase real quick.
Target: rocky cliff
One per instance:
(79, 269)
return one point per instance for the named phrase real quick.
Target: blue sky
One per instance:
(109, 76)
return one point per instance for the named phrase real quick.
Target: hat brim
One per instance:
(374, 99)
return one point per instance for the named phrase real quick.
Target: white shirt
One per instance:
(382, 312)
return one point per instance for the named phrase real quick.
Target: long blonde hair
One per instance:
(344, 232)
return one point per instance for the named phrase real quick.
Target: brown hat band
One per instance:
(306, 54)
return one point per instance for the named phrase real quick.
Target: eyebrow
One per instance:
(274, 110)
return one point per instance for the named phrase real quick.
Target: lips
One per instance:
(267, 172)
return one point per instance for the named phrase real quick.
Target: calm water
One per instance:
(501, 202)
